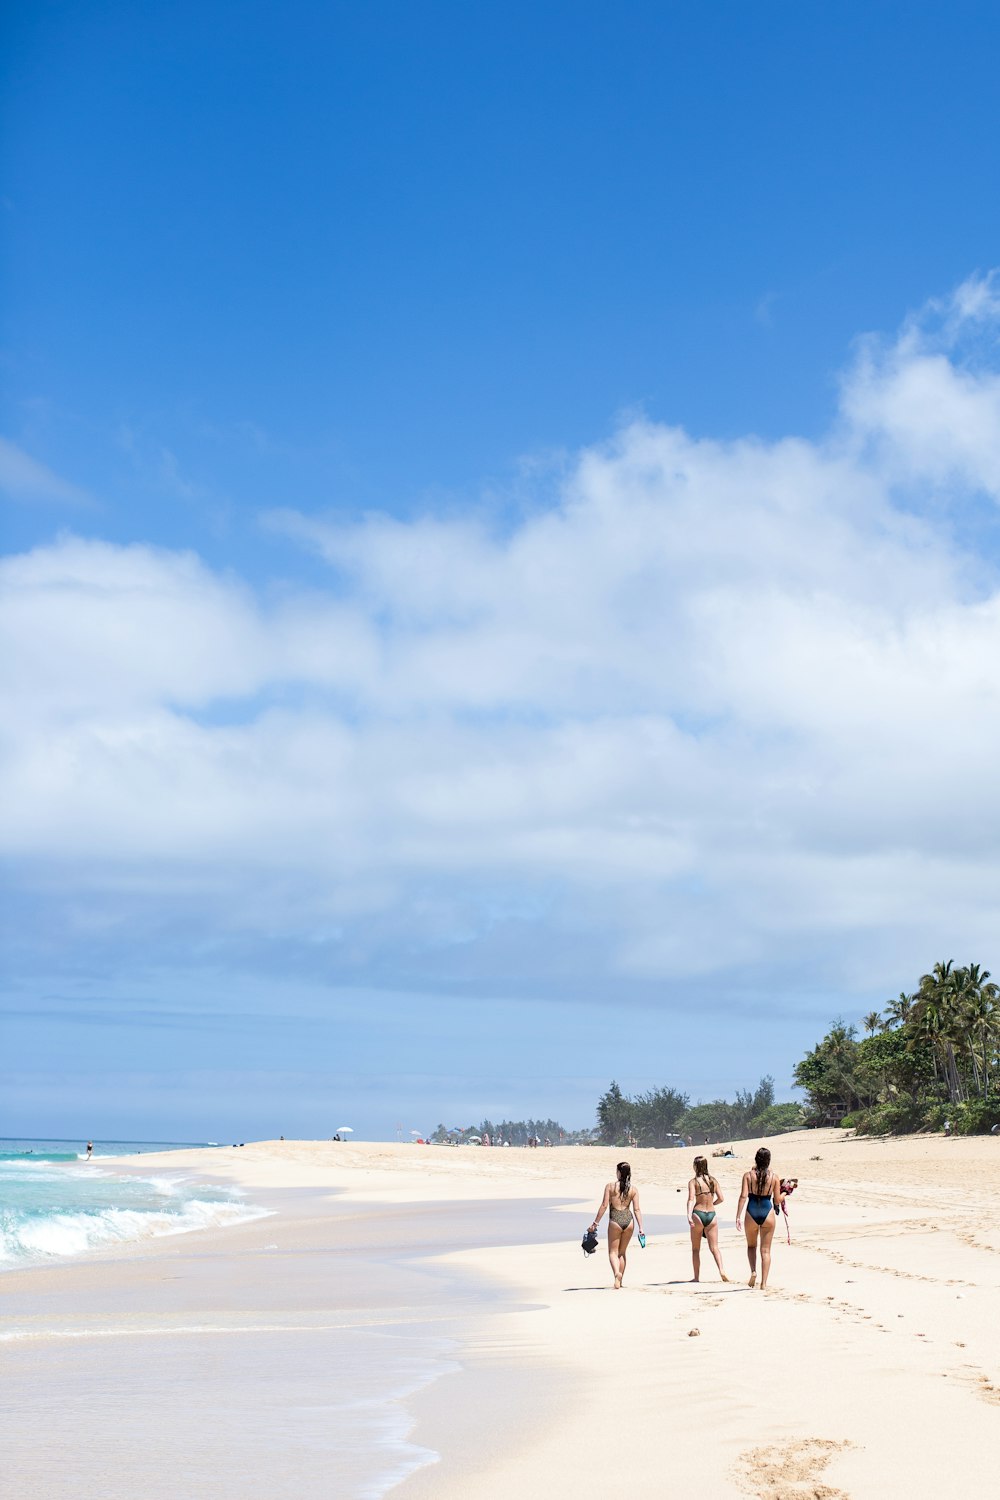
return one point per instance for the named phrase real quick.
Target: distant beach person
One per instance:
(621, 1203)
(788, 1186)
(90, 1149)
(704, 1193)
(760, 1194)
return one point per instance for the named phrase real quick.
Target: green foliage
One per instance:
(891, 1064)
(752, 1105)
(656, 1116)
(614, 1117)
(518, 1132)
(934, 1054)
(827, 1074)
(716, 1121)
(650, 1119)
(778, 1118)
(660, 1116)
(722, 1119)
(891, 1119)
(976, 1116)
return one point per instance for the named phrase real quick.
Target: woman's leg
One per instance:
(696, 1235)
(623, 1245)
(614, 1239)
(712, 1235)
(751, 1230)
(766, 1236)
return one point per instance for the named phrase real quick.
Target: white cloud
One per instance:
(723, 704)
(934, 417)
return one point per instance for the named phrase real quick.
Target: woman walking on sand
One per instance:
(761, 1195)
(621, 1202)
(704, 1193)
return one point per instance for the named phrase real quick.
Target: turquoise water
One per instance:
(54, 1203)
(12, 1147)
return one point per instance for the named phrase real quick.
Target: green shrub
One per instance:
(778, 1118)
(976, 1117)
(899, 1118)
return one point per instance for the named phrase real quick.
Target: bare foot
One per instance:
(618, 1283)
(723, 1276)
(753, 1279)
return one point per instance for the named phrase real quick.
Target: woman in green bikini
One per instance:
(704, 1193)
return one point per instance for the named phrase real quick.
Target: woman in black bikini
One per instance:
(704, 1193)
(761, 1195)
(621, 1201)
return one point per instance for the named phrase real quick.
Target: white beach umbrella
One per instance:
(345, 1129)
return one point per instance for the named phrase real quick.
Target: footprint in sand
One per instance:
(979, 1381)
(988, 1390)
(794, 1475)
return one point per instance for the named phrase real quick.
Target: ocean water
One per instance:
(283, 1372)
(54, 1203)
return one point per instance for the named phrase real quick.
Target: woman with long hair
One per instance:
(761, 1195)
(621, 1203)
(704, 1193)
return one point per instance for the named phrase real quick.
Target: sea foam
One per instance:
(54, 1209)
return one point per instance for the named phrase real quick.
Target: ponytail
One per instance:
(762, 1162)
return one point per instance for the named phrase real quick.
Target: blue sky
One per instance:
(489, 493)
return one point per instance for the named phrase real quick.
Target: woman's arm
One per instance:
(690, 1203)
(637, 1210)
(604, 1204)
(779, 1199)
(744, 1195)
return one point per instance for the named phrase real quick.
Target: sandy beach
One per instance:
(203, 1363)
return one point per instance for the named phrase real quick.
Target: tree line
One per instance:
(930, 1055)
(518, 1132)
(666, 1117)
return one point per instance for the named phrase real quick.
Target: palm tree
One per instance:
(931, 1015)
(898, 1012)
(872, 1022)
(980, 1014)
(938, 1015)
